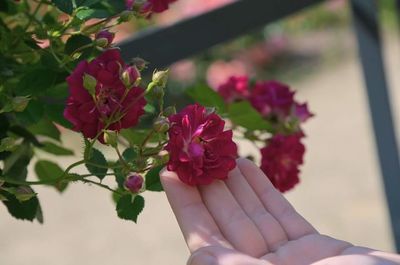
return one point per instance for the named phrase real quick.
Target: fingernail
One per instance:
(202, 259)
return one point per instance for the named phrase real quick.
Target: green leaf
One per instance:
(24, 133)
(45, 127)
(243, 114)
(21, 193)
(15, 166)
(37, 81)
(50, 171)
(32, 114)
(26, 210)
(207, 97)
(65, 6)
(120, 177)
(97, 164)
(129, 154)
(55, 114)
(87, 13)
(87, 2)
(128, 209)
(52, 148)
(152, 179)
(77, 41)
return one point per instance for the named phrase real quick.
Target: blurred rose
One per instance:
(183, 71)
(220, 71)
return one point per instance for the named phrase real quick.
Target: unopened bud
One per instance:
(131, 77)
(19, 104)
(104, 38)
(89, 83)
(134, 183)
(157, 92)
(126, 16)
(171, 110)
(160, 78)
(110, 138)
(161, 124)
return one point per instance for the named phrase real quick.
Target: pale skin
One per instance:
(244, 220)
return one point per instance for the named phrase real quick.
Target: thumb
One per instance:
(222, 256)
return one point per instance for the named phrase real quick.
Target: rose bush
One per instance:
(59, 69)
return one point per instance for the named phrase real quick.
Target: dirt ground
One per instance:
(341, 191)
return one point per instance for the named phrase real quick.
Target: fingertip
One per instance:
(202, 257)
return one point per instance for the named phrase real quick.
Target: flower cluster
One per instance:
(100, 98)
(283, 151)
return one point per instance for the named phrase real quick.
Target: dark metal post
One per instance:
(367, 30)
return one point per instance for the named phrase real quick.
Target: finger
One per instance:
(269, 227)
(232, 221)
(292, 222)
(196, 223)
(222, 256)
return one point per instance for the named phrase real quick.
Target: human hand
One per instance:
(246, 221)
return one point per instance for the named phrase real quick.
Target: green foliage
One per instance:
(243, 114)
(152, 179)
(207, 97)
(97, 164)
(129, 207)
(24, 210)
(54, 149)
(64, 5)
(50, 173)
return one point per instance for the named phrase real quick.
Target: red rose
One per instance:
(111, 99)
(272, 98)
(280, 160)
(199, 148)
(236, 88)
(156, 6)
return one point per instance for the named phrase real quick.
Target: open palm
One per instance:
(246, 221)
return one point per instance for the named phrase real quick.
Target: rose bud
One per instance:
(104, 38)
(131, 77)
(161, 124)
(160, 78)
(134, 183)
(110, 138)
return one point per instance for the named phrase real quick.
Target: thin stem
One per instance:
(121, 158)
(101, 185)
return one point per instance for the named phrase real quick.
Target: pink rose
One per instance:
(110, 100)
(281, 158)
(236, 88)
(199, 148)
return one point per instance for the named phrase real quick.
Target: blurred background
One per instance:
(341, 190)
